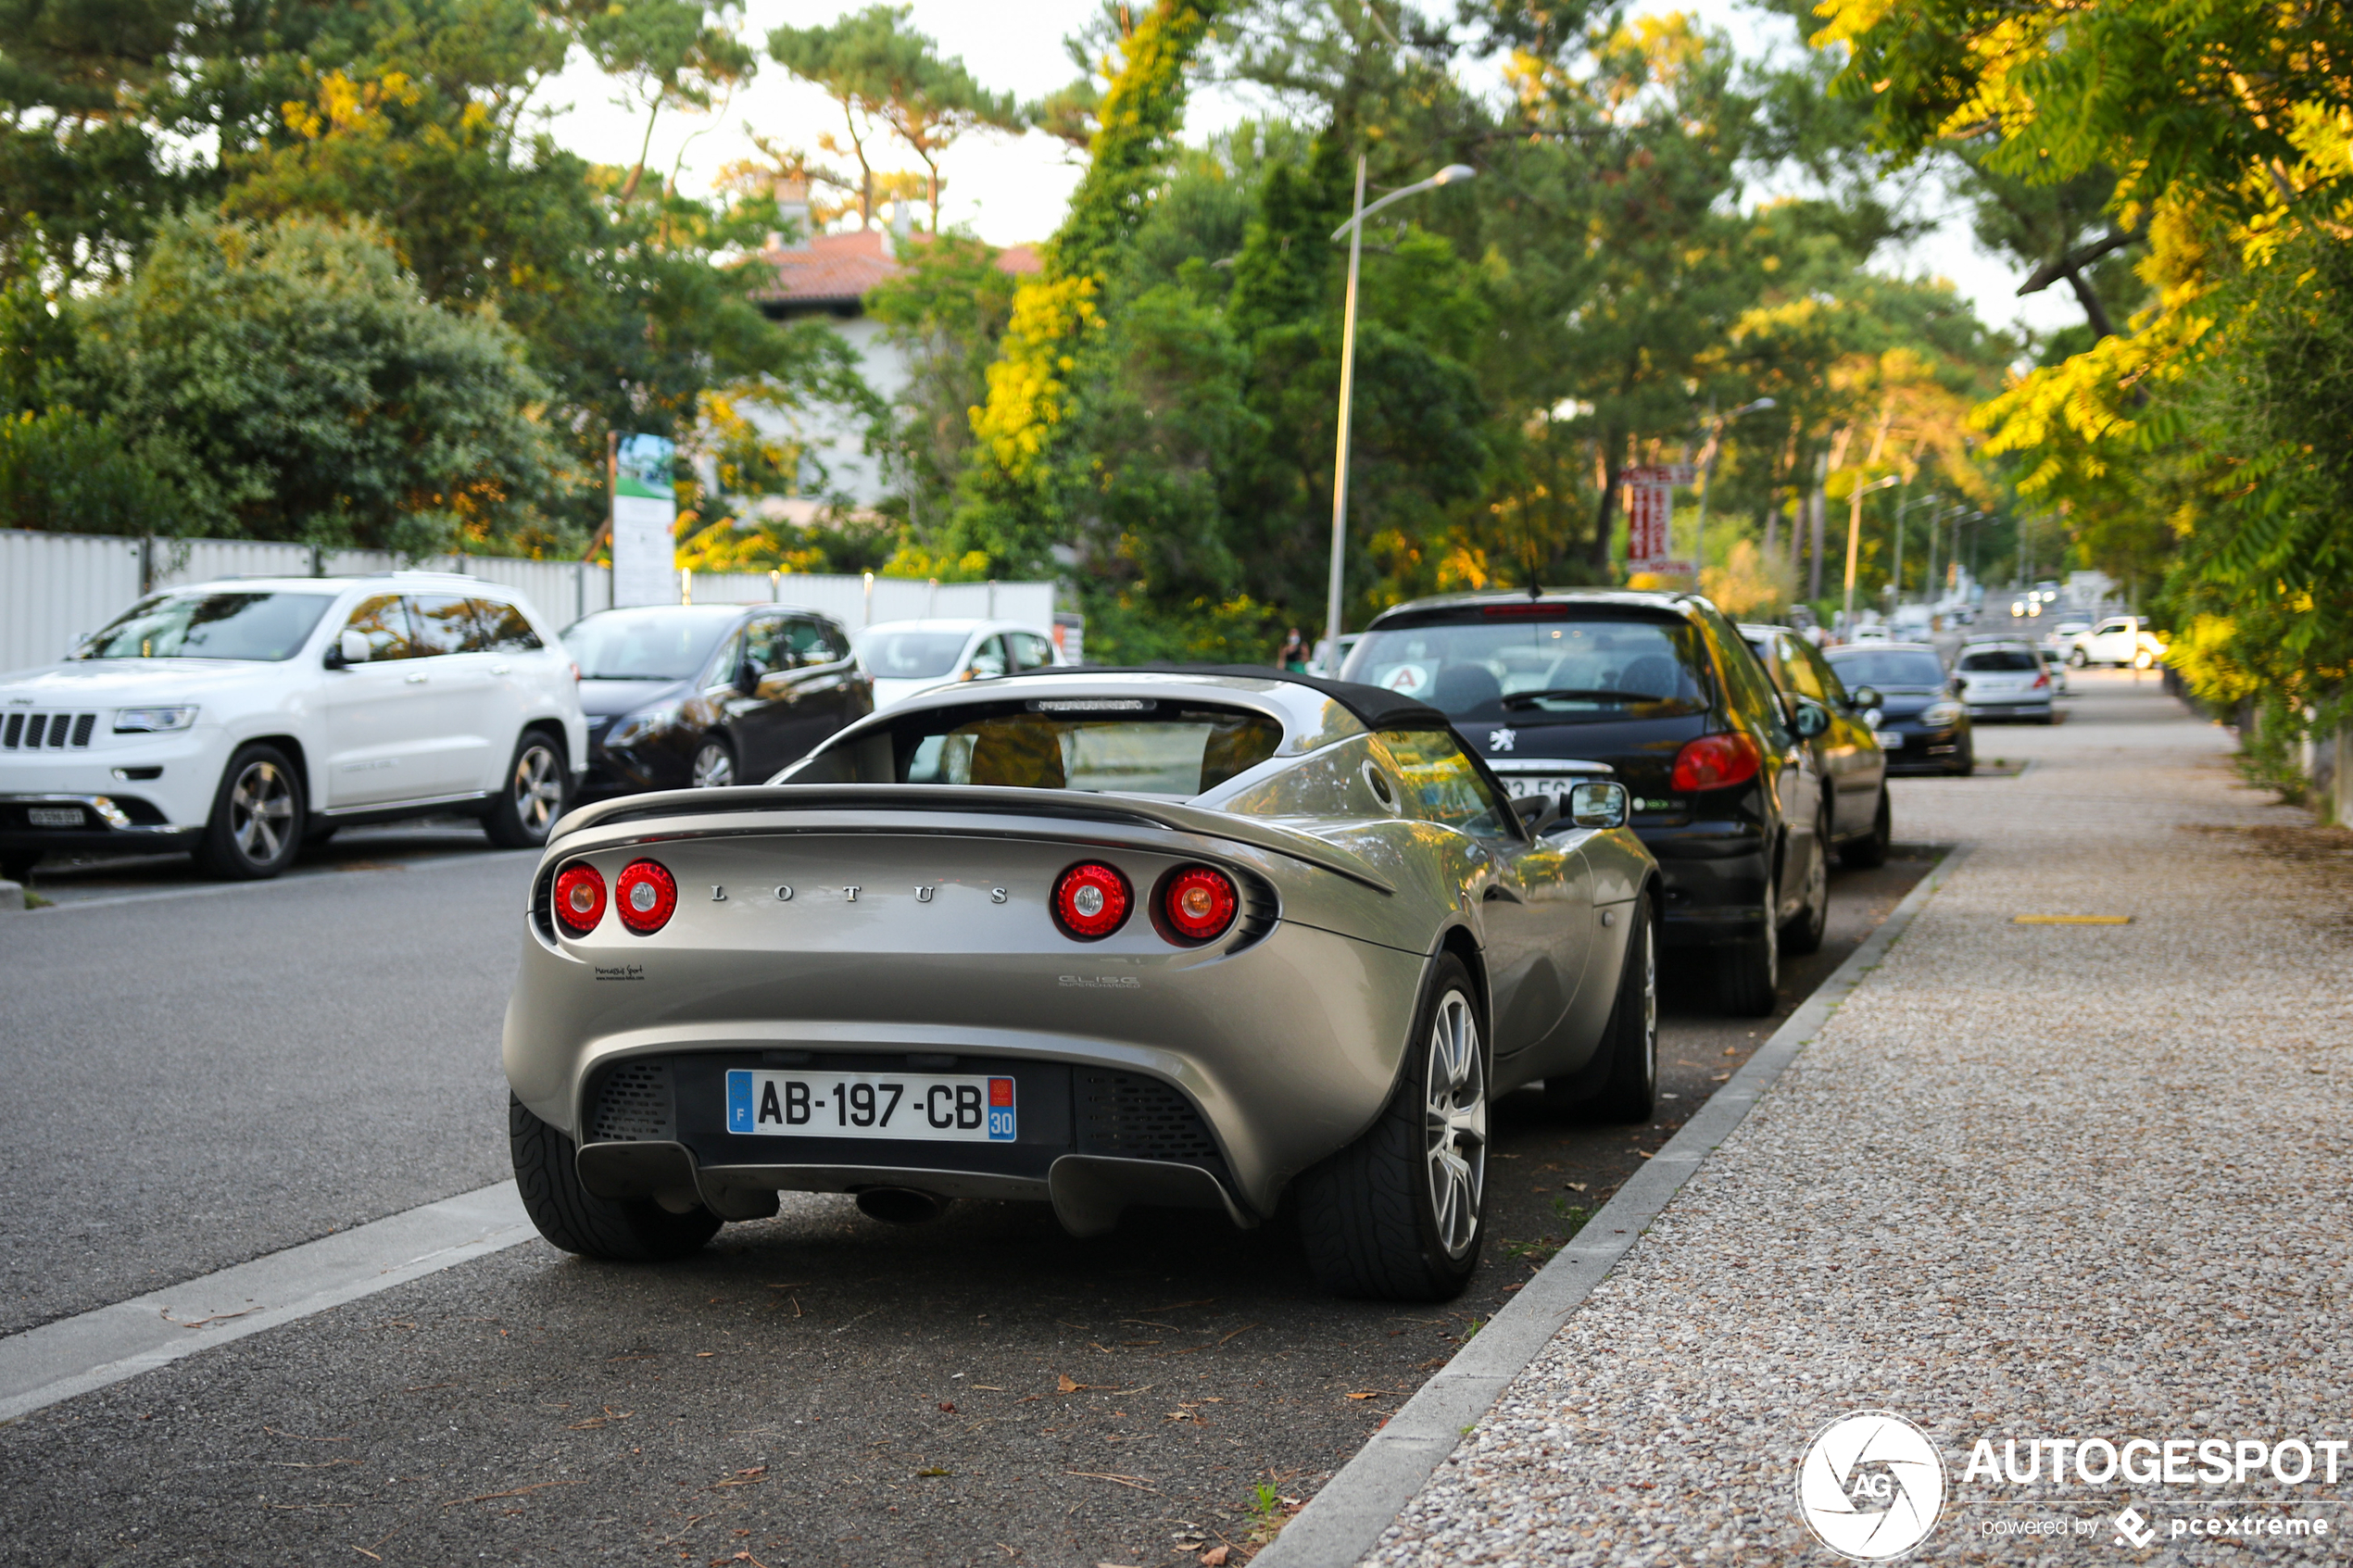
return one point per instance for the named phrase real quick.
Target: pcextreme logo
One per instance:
(1871, 1486)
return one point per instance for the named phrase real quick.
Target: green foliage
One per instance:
(66, 472)
(945, 312)
(289, 382)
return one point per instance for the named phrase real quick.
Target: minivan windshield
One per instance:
(1130, 746)
(911, 655)
(649, 643)
(254, 625)
(1561, 671)
(1886, 668)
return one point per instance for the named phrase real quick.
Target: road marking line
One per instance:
(106, 1345)
(2070, 920)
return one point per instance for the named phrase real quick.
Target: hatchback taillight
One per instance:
(580, 900)
(1198, 904)
(1715, 762)
(2041, 681)
(647, 896)
(1092, 900)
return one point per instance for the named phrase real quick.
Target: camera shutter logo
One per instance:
(1871, 1486)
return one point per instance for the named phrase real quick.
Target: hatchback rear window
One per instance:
(2009, 661)
(1539, 669)
(1887, 667)
(1132, 745)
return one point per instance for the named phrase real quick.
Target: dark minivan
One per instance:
(1659, 691)
(705, 696)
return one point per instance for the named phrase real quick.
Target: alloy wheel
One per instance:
(714, 769)
(1454, 1123)
(262, 811)
(1650, 1004)
(538, 788)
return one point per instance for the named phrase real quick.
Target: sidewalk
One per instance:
(2031, 1182)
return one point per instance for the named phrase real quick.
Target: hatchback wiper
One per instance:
(1579, 693)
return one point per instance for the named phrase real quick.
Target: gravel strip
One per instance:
(2031, 1182)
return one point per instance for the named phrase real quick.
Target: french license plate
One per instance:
(54, 816)
(1520, 785)
(1891, 740)
(939, 1108)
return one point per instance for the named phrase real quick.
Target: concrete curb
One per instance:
(1345, 1520)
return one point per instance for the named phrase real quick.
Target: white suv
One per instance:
(237, 718)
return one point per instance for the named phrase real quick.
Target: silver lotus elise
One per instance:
(1092, 937)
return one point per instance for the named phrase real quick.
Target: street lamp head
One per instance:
(1454, 175)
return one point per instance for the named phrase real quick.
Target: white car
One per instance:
(236, 718)
(907, 656)
(2004, 678)
(2119, 640)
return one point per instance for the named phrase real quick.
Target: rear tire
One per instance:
(1750, 980)
(1804, 935)
(1864, 853)
(633, 1230)
(256, 825)
(1631, 1038)
(530, 798)
(1399, 1215)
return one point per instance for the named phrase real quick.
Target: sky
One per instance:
(1009, 190)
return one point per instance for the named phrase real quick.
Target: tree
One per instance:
(665, 54)
(946, 312)
(289, 382)
(930, 103)
(841, 58)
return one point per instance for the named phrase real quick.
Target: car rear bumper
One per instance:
(1713, 874)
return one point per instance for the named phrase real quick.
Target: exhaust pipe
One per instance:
(900, 1206)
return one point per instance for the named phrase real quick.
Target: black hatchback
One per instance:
(1917, 710)
(1661, 692)
(705, 696)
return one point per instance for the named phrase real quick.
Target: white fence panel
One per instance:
(54, 587)
(176, 561)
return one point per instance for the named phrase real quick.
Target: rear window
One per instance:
(912, 656)
(1101, 746)
(1887, 667)
(1558, 670)
(2007, 662)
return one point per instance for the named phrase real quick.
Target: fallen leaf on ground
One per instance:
(1216, 1557)
(948, 1405)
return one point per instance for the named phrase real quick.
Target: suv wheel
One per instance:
(714, 764)
(1399, 1215)
(256, 819)
(533, 797)
(1804, 935)
(1750, 980)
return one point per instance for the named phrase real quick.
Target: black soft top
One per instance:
(1376, 707)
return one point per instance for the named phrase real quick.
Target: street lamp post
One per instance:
(1927, 500)
(1707, 484)
(1854, 540)
(1452, 174)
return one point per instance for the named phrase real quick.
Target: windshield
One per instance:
(911, 655)
(656, 643)
(233, 625)
(1887, 668)
(1134, 746)
(1558, 670)
(2015, 662)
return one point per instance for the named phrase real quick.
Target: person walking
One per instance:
(1295, 653)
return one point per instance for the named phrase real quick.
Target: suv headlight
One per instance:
(1941, 715)
(153, 720)
(644, 722)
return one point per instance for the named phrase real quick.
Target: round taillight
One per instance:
(1198, 904)
(645, 895)
(580, 900)
(1092, 900)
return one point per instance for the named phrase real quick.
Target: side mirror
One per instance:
(1811, 718)
(351, 648)
(1537, 812)
(1862, 697)
(747, 680)
(1597, 805)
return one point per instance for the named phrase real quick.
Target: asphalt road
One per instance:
(202, 1076)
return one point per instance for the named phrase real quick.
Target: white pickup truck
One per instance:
(2119, 640)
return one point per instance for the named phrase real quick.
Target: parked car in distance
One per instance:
(907, 656)
(1068, 937)
(1921, 723)
(706, 695)
(1873, 633)
(1848, 754)
(236, 718)
(2120, 640)
(1657, 691)
(2005, 678)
